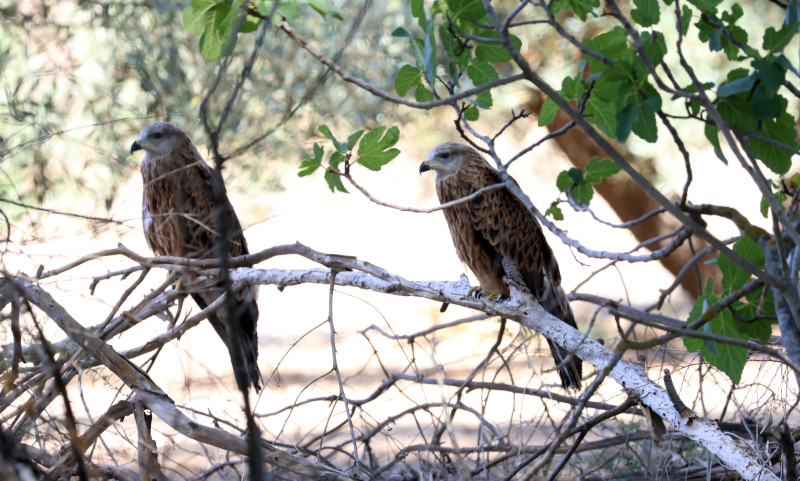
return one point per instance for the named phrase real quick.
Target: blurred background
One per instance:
(81, 78)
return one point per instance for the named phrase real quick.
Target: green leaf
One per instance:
(735, 14)
(737, 113)
(764, 207)
(581, 8)
(646, 12)
(351, 141)
(731, 49)
(625, 120)
(324, 130)
(733, 276)
(484, 99)
(646, 128)
(597, 170)
(554, 211)
(791, 13)
(215, 37)
(739, 85)
(481, 72)
(583, 193)
(766, 105)
(760, 329)
(731, 359)
(334, 180)
(771, 73)
(325, 10)
(725, 357)
(287, 10)
(750, 250)
(701, 305)
(401, 32)
(576, 175)
(310, 164)
(765, 204)
(686, 19)
(336, 159)
(715, 40)
(214, 22)
(472, 113)
(610, 44)
(655, 46)
(602, 114)
(760, 301)
(706, 6)
(712, 134)
(494, 52)
(372, 150)
(564, 181)
(548, 112)
(777, 40)
(573, 88)
(466, 10)
(250, 24)
(418, 12)
(422, 94)
(407, 78)
(416, 51)
(194, 16)
(780, 130)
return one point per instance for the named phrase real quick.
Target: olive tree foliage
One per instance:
(80, 79)
(239, 69)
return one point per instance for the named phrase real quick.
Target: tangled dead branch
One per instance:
(355, 443)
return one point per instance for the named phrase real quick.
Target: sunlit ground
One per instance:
(295, 350)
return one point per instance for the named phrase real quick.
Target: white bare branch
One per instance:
(523, 309)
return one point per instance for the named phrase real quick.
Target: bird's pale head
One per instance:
(160, 139)
(446, 159)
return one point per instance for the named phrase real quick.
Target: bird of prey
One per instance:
(180, 211)
(495, 228)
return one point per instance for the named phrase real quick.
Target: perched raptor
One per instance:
(180, 211)
(496, 228)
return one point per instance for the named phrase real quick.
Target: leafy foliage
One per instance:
(219, 22)
(740, 321)
(375, 149)
(580, 182)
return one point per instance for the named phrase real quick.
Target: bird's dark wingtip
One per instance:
(136, 146)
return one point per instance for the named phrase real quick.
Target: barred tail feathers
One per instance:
(570, 370)
(246, 316)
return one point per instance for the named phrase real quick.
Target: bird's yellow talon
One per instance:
(478, 292)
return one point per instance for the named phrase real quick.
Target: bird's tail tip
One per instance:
(570, 367)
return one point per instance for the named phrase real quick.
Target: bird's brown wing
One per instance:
(184, 215)
(471, 246)
(502, 221)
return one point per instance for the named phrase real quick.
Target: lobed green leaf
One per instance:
(646, 13)
(597, 170)
(407, 78)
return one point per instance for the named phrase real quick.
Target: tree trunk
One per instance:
(630, 202)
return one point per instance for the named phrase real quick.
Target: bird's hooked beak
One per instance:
(136, 146)
(428, 164)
